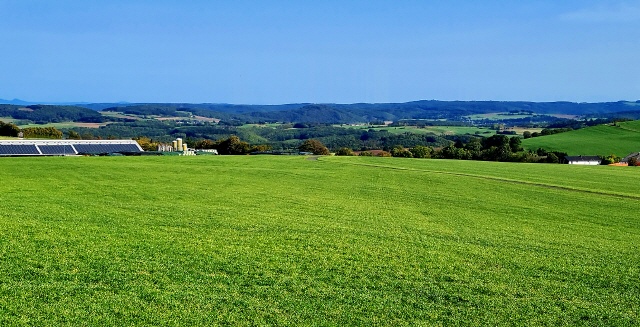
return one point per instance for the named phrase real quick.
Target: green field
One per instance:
(499, 115)
(620, 140)
(268, 240)
(448, 130)
(7, 119)
(69, 124)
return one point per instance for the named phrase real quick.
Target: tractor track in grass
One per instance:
(505, 180)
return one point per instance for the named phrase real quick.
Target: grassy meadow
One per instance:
(620, 140)
(268, 240)
(447, 130)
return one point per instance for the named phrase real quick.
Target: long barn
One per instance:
(66, 147)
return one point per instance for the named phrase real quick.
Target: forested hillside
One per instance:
(367, 112)
(317, 113)
(51, 114)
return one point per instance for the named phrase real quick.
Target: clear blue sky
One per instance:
(340, 51)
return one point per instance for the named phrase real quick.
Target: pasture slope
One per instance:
(621, 139)
(267, 240)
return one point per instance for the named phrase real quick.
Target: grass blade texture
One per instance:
(269, 240)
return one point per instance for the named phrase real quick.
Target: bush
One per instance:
(609, 159)
(399, 151)
(420, 151)
(344, 152)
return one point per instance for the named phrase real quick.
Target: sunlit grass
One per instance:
(605, 140)
(339, 241)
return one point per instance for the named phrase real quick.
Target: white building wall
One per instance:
(588, 163)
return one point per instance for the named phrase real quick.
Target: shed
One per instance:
(583, 160)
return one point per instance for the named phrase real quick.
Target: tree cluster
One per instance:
(146, 143)
(42, 132)
(9, 129)
(366, 112)
(545, 132)
(494, 148)
(232, 146)
(314, 146)
(51, 114)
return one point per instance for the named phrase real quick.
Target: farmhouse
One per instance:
(582, 160)
(634, 157)
(10, 148)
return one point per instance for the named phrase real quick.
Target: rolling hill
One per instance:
(366, 112)
(323, 113)
(621, 139)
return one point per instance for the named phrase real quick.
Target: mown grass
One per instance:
(338, 241)
(620, 140)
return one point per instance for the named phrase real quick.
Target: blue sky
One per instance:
(271, 52)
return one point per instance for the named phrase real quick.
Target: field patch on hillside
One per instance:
(446, 130)
(280, 240)
(619, 139)
(65, 125)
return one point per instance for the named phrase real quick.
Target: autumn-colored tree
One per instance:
(205, 144)
(400, 151)
(314, 146)
(73, 135)
(146, 143)
(261, 148)
(233, 145)
(344, 152)
(42, 132)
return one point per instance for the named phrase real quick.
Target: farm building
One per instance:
(635, 156)
(582, 160)
(10, 148)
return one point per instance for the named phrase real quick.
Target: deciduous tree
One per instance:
(344, 152)
(9, 129)
(314, 146)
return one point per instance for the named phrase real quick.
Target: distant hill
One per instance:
(335, 113)
(621, 139)
(312, 113)
(50, 114)
(15, 101)
(366, 112)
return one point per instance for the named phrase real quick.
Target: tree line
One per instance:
(42, 114)
(12, 130)
(493, 148)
